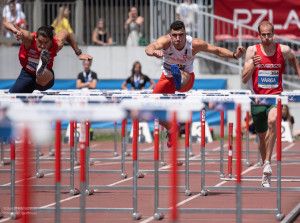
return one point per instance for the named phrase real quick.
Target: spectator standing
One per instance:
(87, 79)
(134, 22)
(100, 35)
(6, 9)
(61, 22)
(15, 15)
(186, 12)
(137, 79)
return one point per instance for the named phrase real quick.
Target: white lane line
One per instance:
(61, 201)
(217, 185)
(121, 181)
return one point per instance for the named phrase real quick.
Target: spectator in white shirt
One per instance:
(187, 13)
(15, 15)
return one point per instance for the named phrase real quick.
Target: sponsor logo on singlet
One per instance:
(269, 66)
(32, 51)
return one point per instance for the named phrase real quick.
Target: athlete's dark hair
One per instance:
(177, 25)
(265, 23)
(45, 31)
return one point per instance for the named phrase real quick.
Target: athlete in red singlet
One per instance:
(36, 56)
(267, 76)
(263, 68)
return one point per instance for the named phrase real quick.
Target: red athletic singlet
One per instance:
(267, 76)
(29, 59)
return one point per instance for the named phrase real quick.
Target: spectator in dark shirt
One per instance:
(100, 35)
(137, 79)
(87, 79)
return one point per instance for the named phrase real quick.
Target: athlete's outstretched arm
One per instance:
(20, 34)
(287, 53)
(64, 36)
(251, 60)
(154, 49)
(200, 45)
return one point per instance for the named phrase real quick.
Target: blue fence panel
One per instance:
(204, 84)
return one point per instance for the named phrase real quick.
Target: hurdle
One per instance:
(2, 161)
(238, 188)
(221, 94)
(222, 144)
(292, 97)
(173, 208)
(122, 160)
(25, 99)
(95, 210)
(247, 139)
(157, 214)
(83, 99)
(186, 171)
(277, 211)
(230, 139)
(82, 208)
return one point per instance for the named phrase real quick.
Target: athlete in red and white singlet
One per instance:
(29, 58)
(178, 51)
(267, 76)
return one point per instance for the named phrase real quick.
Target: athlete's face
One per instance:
(266, 34)
(178, 38)
(43, 43)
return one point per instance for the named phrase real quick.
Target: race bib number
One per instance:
(268, 79)
(32, 63)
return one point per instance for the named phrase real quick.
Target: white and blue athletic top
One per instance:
(184, 58)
